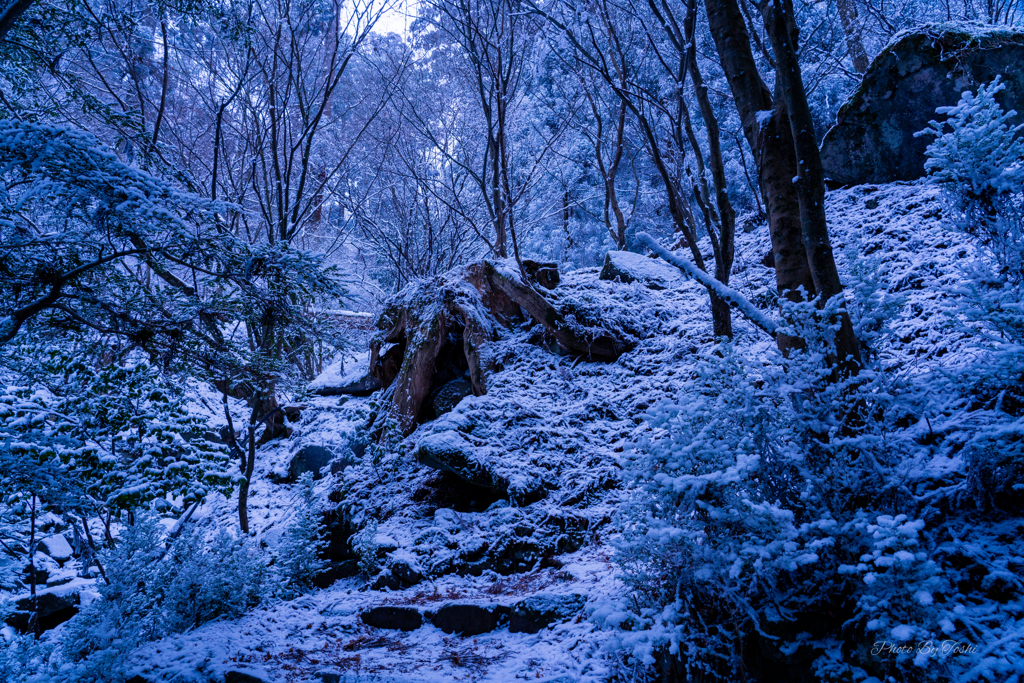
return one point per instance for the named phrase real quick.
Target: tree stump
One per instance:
(434, 331)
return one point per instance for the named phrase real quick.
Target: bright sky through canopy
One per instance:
(397, 18)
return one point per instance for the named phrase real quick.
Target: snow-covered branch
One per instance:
(735, 299)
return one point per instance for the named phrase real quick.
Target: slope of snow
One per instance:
(557, 425)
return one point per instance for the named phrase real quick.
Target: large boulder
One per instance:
(873, 139)
(451, 451)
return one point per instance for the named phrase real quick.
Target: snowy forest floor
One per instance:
(563, 427)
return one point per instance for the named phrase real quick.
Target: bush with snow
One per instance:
(862, 530)
(121, 431)
(741, 497)
(303, 545)
(156, 590)
(978, 157)
(784, 521)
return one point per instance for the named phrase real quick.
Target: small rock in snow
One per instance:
(469, 620)
(396, 618)
(57, 547)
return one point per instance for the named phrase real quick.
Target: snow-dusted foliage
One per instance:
(979, 161)
(303, 544)
(551, 471)
(157, 588)
(819, 525)
(745, 488)
(981, 152)
(783, 520)
(119, 435)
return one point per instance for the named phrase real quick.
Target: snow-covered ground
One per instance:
(549, 423)
(322, 633)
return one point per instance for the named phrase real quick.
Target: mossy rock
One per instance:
(873, 139)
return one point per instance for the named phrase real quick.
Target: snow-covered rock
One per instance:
(625, 266)
(539, 611)
(921, 69)
(395, 618)
(467, 619)
(57, 547)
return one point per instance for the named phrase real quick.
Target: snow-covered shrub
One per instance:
(98, 640)
(978, 157)
(749, 494)
(23, 658)
(364, 543)
(206, 580)
(121, 431)
(156, 590)
(981, 152)
(697, 507)
(980, 162)
(899, 585)
(302, 547)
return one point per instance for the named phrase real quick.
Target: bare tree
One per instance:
(635, 47)
(410, 218)
(604, 123)
(780, 130)
(493, 39)
(852, 29)
(280, 148)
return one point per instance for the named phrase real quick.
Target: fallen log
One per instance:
(361, 387)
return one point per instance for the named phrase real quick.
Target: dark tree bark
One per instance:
(796, 219)
(852, 31)
(724, 243)
(766, 127)
(11, 14)
(608, 168)
(243, 488)
(810, 179)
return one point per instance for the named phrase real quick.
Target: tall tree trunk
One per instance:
(611, 195)
(721, 315)
(725, 245)
(34, 600)
(766, 127)
(497, 201)
(810, 178)
(250, 464)
(851, 30)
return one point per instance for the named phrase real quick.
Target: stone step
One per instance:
(529, 615)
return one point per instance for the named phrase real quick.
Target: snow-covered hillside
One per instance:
(557, 427)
